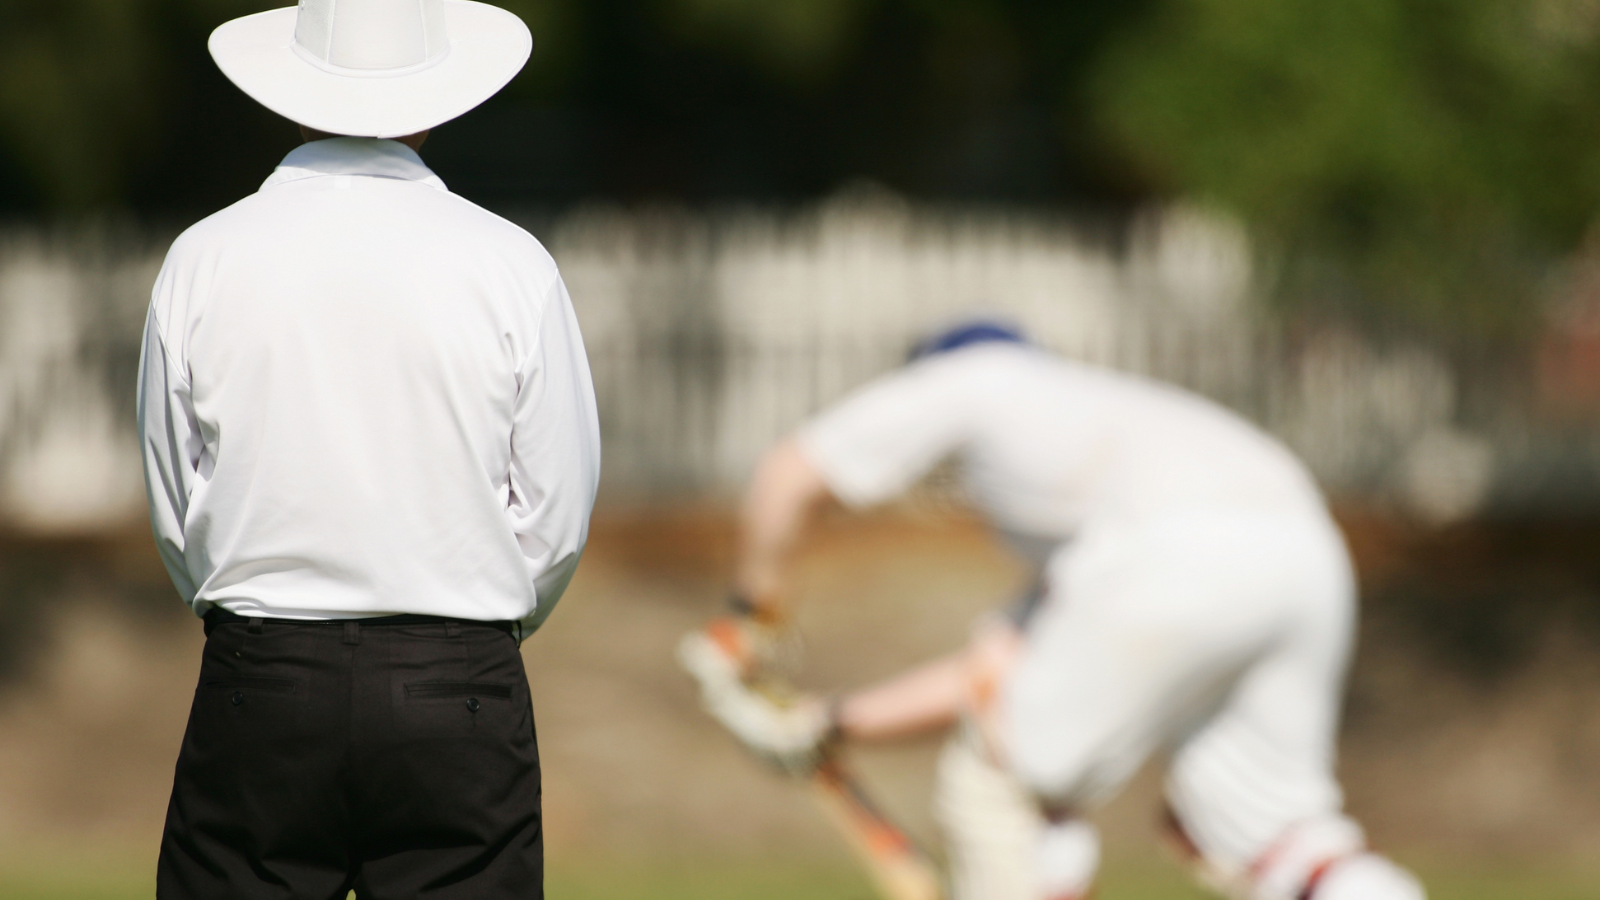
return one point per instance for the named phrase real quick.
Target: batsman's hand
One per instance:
(760, 637)
(788, 732)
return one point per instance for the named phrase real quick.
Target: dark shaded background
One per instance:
(694, 101)
(1418, 161)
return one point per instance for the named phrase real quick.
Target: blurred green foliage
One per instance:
(71, 78)
(1430, 156)
(1441, 150)
(86, 87)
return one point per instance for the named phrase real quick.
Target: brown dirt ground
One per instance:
(1472, 725)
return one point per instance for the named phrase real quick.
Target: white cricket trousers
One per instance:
(1221, 635)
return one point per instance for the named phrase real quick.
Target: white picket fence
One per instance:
(711, 334)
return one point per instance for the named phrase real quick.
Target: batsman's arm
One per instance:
(784, 495)
(935, 694)
(926, 698)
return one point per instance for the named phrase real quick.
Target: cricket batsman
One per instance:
(1194, 598)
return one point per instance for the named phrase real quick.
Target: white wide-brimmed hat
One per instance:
(373, 68)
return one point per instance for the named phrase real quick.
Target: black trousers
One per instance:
(395, 757)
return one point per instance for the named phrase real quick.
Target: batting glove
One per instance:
(761, 637)
(790, 733)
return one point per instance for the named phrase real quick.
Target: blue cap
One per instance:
(965, 335)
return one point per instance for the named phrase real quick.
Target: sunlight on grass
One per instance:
(39, 879)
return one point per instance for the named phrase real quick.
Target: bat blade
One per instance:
(897, 867)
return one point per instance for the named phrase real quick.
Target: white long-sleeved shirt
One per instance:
(362, 395)
(1049, 447)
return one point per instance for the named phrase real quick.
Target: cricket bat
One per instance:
(898, 868)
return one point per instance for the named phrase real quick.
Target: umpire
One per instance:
(371, 448)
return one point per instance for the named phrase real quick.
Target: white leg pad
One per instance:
(991, 825)
(1367, 876)
(1069, 855)
(1329, 856)
(1282, 871)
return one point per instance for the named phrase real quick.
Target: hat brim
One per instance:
(488, 46)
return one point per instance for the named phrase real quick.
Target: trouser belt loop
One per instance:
(352, 632)
(255, 624)
(452, 629)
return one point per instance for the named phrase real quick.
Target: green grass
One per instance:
(826, 882)
(25, 879)
(1512, 883)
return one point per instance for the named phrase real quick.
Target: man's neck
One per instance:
(414, 141)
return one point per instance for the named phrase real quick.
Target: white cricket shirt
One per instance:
(1048, 446)
(362, 395)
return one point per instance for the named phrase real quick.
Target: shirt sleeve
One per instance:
(171, 444)
(881, 439)
(555, 454)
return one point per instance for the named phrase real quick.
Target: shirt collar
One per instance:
(373, 157)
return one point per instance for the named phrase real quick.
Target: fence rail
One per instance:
(710, 335)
